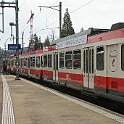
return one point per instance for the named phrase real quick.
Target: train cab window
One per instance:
(68, 60)
(45, 61)
(77, 59)
(100, 58)
(122, 57)
(61, 60)
(38, 61)
(50, 60)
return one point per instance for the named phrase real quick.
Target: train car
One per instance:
(50, 64)
(92, 63)
(24, 64)
(36, 71)
(12, 63)
(31, 64)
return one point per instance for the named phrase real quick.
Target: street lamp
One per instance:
(12, 24)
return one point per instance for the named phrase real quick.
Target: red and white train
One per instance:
(91, 61)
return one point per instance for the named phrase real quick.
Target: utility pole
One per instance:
(15, 6)
(60, 15)
(60, 18)
(2, 17)
(17, 42)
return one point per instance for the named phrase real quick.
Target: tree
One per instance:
(47, 42)
(41, 44)
(67, 28)
(37, 42)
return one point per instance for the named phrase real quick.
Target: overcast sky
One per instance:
(83, 13)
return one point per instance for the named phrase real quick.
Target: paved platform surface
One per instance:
(34, 105)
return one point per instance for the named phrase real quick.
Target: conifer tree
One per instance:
(47, 42)
(67, 28)
(37, 42)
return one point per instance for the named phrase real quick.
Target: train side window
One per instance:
(61, 60)
(77, 59)
(100, 58)
(90, 69)
(50, 60)
(21, 62)
(25, 62)
(92, 61)
(56, 61)
(122, 57)
(33, 61)
(29, 62)
(45, 60)
(87, 67)
(68, 60)
(84, 61)
(38, 61)
(41, 61)
(12, 62)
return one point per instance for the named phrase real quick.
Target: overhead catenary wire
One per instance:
(43, 29)
(48, 25)
(82, 6)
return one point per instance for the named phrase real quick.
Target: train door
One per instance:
(28, 64)
(55, 66)
(88, 61)
(112, 65)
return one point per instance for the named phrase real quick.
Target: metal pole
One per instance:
(22, 41)
(2, 17)
(60, 18)
(13, 38)
(5, 52)
(17, 42)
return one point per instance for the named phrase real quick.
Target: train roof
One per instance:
(91, 32)
(90, 36)
(106, 36)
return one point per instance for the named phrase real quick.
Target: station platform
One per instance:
(25, 102)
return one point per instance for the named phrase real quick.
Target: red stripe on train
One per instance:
(109, 83)
(48, 73)
(78, 78)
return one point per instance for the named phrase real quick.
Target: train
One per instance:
(91, 61)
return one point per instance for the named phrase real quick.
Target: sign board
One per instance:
(72, 42)
(14, 46)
